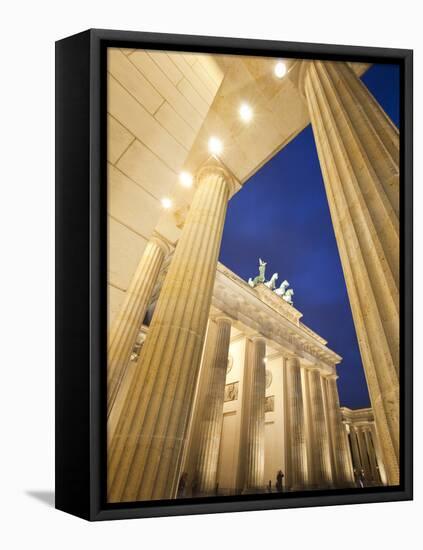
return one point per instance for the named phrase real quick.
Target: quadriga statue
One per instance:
(271, 284)
(260, 278)
(282, 289)
(288, 296)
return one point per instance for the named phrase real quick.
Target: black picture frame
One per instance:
(81, 297)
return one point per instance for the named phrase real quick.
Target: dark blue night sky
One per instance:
(282, 216)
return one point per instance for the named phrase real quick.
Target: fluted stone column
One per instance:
(210, 428)
(341, 454)
(363, 453)
(329, 428)
(131, 315)
(132, 367)
(311, 474)
(372, 457)
(145, 452)
(321, 452)
(295, 439)
(379, 457)
(256, 377)
(358, 148)
(357, 465)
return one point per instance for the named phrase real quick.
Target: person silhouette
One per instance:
(279, 481)
(182, 485)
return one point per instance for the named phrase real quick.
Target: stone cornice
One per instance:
(358, 417)
(313, 334)
(278, 304)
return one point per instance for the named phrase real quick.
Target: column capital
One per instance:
(253, 335)
(298, 75)
(214, 166)
(330, 376)
(299, 72)
(162, 242)
(307, 367)
(315, 369)
(294, 361)
(221, 317)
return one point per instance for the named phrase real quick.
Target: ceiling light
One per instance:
(186, 179)
(245, 112)
(280, 69)
(215, 146)
(166, 203)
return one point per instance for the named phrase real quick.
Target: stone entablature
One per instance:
(280, 306)
(357, 416)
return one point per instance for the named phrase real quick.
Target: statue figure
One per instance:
(282, 289)
(271, 284)
(288, 296)
(260, 278)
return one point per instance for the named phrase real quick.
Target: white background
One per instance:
(28, 32)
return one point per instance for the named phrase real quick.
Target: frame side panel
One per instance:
(407, 273)
(72, 275)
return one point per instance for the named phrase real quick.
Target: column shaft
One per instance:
(357, 465)
(256, 378)
(358, 148)
(210, 428)
(364, 455)
(342, 457)
(131, 315)
(329, 429)
(372, 457)
(379, 458)
(309, 429)
(321, 452)
(146, 448)
(295, 440)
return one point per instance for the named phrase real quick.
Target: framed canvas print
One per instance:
(234, 254)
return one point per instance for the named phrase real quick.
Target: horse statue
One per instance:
(282, 289)
(271, 284)
(288, 296)
(260, 278)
